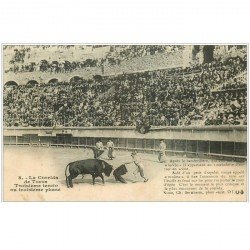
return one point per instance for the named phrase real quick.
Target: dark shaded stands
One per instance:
(208, 94)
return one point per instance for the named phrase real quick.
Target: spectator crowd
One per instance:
(117, 53)
(207, 94)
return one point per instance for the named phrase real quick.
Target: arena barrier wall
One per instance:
(225, 141)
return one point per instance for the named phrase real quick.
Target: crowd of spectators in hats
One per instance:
(208, 94)
(19, 55)
(128, 52)
(53, 66)
(116, 55)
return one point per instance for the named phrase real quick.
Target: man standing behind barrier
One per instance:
(110, 147)
(162, 153)
(98, 150)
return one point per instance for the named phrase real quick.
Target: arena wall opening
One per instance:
(215, 141)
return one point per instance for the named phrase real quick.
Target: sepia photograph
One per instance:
(124, 125)
(125, 122)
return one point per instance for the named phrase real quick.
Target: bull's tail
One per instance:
(67, 174)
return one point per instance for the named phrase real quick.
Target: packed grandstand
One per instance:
(26, 59)
(204, 92)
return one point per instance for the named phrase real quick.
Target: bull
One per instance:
(94, 167)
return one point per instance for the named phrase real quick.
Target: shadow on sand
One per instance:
(98, 181)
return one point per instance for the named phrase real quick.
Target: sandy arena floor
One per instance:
(43, 161)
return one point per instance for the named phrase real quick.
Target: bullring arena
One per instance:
(52, 162)
(59, 101)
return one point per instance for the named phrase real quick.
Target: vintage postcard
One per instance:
(125, 122)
